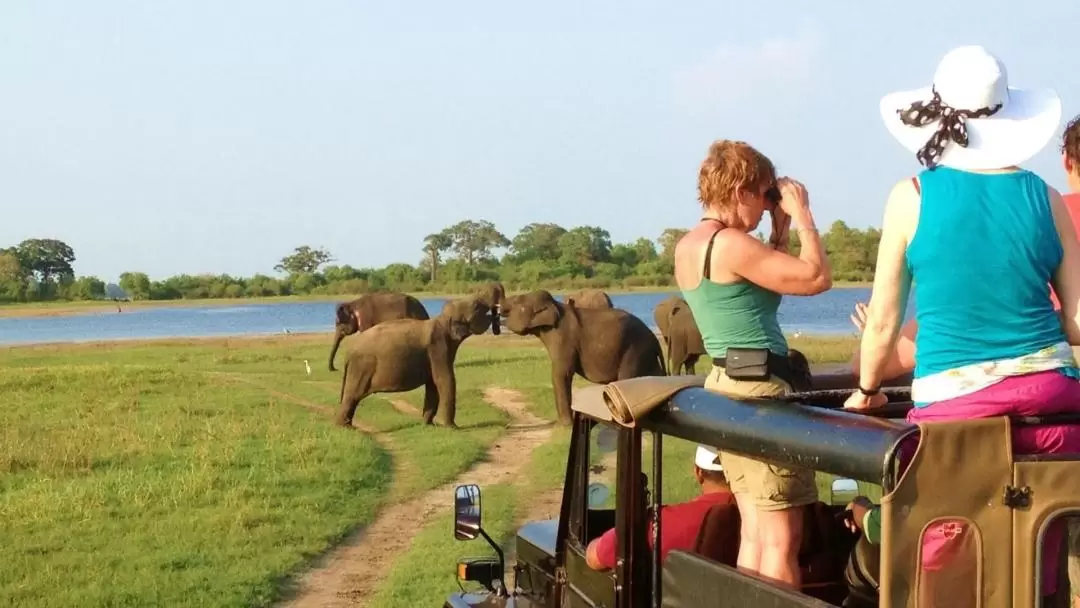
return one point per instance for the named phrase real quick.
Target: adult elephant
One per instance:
(405, 354)
(590, 298)
(371, 309)
(600, 345)
(683, 338)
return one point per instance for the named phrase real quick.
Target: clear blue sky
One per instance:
(208, 136)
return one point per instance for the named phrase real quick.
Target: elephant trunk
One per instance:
(339, 335)
(496, 320)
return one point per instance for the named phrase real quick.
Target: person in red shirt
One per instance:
(902, 360)
(680, 522)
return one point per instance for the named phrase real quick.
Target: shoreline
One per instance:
(90, 307)
(307, 337)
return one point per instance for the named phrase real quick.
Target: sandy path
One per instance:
(349, 574)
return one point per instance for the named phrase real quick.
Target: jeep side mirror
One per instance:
(843, 491)
(467, 512)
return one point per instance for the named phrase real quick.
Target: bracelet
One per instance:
(869, 392)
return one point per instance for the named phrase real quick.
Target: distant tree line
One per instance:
(540, 255)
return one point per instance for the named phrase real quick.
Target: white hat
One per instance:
(708, 459)
(970, 79)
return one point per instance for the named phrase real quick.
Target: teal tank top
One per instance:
(739, 315)
(981, 261)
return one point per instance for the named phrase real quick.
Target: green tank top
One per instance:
(739, 315)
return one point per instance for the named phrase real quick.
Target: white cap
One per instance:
(707, 459)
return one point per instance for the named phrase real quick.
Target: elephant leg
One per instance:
(355, 385)
(691, 364)
(562, 377)
(443, 380)
(676, 358)
(431, 402)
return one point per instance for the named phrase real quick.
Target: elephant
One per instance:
(661, 316)
(491, 295)
(589, 298)
(600, 345)
(371, 309)
(405, 354)
(683, 339)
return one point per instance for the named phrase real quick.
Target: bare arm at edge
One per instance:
(892, 284)
(1066, 280)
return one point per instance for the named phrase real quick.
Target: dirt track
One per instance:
(349, 574)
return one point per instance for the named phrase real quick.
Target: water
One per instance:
(825, 314)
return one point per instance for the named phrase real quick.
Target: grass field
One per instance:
(207, 473)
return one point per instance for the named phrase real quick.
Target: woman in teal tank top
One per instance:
(733, 284)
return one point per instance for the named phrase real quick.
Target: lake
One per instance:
(825, 314)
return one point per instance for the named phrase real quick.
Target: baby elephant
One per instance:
(599, 344)
(405, 354)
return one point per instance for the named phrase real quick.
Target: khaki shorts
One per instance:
(768, 486)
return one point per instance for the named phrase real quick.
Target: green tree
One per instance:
(49, 260)
(136, 285)
(668, 240)
(474, 240)
(86, 288)
(585, 245)
(537, 241)
(303, 260)
(13, 276)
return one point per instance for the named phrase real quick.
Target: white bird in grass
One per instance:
(797, 334)
(307, 366)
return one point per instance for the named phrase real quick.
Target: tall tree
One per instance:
(48, 259)
(304, 260)
(473, 240)
(434, 246)
(537, 241)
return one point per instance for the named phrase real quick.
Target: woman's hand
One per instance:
(859, 317)
(858, 509)
(794, 201)
(859, 401)
(781, 227)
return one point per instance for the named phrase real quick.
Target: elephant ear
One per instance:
(459, 331)
(348, 316)
(343, 314)
(675, 308)
(547, 316)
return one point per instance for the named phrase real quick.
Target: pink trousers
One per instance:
(1036, 394)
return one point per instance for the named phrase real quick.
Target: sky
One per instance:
(200, 136)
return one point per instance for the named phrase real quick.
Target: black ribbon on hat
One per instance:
(953, 126)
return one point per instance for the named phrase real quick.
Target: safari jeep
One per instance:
(963, 480)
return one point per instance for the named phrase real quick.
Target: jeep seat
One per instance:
(718, 538)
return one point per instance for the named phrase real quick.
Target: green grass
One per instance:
(143, 486)
(187, 472)
(170, 474)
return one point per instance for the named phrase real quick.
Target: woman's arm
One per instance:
(1066, 280)
(901, 359)
(892, 284)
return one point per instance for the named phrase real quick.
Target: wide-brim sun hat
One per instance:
(707, 459)
(971, 102)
